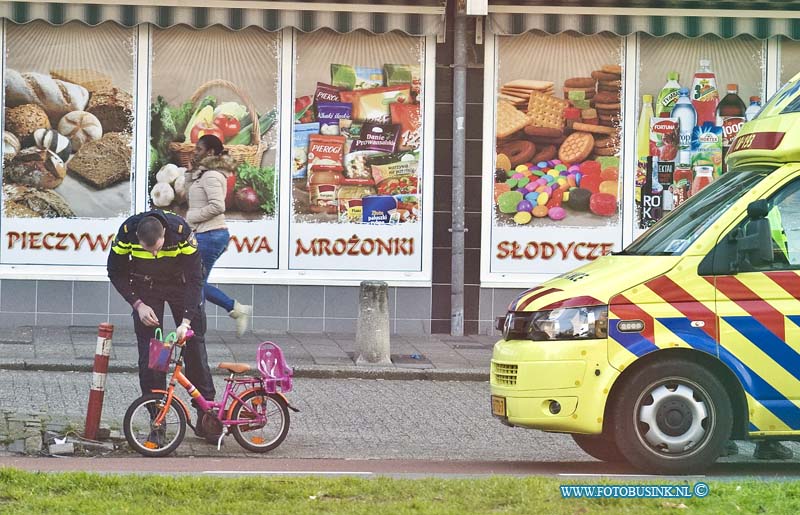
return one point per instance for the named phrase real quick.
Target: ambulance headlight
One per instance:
(514, 325)
(573, 323)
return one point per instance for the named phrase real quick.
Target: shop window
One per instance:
(681, 149)
(224, 83)
(67, 143)
(556, 181)
(357, 153)
(790, 59)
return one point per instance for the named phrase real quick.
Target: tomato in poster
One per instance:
(228, 124)
(203, 128)
(231, 186)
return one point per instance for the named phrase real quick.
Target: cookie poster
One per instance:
(234, 100)
(68, 121)
(357, 152)
(558, 133)
(557, 145)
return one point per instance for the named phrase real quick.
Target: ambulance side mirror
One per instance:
(754, 243)
(746, 248)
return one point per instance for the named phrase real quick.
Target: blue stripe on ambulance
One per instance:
(754, 384)
(771, 345)
(634, 342)
(794, 318)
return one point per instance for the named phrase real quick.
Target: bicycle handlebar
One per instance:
(189, 335)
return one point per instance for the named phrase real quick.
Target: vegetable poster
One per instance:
(234, 100)
(357, 153)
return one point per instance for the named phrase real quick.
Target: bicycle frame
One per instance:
(230, 393)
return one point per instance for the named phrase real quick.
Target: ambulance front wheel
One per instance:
(672, 417)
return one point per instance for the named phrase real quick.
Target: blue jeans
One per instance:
(211, 245)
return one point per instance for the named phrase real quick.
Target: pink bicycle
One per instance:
(253, 409)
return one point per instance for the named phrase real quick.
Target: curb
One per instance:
(301, 371)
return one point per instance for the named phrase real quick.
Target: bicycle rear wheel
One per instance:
(258, 437)
(144, 436)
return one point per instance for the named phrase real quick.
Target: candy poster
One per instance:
(556, 181)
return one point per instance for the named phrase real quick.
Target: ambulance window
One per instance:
(676, 232)
(783, 216)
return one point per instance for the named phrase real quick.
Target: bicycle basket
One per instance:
(161, 351)
(275, 373)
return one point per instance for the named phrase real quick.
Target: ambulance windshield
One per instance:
(676, 232)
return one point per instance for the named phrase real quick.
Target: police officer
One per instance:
(153, 260)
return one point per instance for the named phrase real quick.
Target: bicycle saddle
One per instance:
(236, 368)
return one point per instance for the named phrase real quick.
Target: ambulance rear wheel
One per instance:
(673, 417)
(600, 447)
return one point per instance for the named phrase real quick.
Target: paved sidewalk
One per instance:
(321, 355)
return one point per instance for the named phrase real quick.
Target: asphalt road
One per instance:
(350, 425)
(339, 418)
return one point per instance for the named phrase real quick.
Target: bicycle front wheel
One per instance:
(147, 438)
(260, 437)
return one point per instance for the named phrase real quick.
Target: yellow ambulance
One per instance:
(661, 353)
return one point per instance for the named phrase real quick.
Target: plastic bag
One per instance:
(161, 351)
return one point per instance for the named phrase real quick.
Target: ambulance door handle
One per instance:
(698, 323)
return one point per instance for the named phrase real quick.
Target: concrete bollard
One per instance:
(372, 332)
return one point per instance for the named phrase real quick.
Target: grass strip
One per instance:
(86, 493)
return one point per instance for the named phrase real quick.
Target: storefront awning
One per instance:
(690, 22)
(419, 19)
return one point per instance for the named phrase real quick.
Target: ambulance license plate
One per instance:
(498, 406)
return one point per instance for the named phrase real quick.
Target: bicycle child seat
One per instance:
(274, 370)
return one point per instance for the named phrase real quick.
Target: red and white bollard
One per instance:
(100, 369)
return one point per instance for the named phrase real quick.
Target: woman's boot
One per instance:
(241, 313)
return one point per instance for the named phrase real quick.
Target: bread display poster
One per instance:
(357, 152)
(557, 152)
(234, 100)
(68, 121)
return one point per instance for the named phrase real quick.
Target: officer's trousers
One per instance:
(195, 356)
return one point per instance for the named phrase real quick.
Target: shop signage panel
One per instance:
(356, 247)
(251, 245)
(58, 241)
(545, 252)
(681, 146)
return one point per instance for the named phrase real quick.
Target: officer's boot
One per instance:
(241, 313)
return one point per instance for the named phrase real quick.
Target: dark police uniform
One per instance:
(174, 276)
